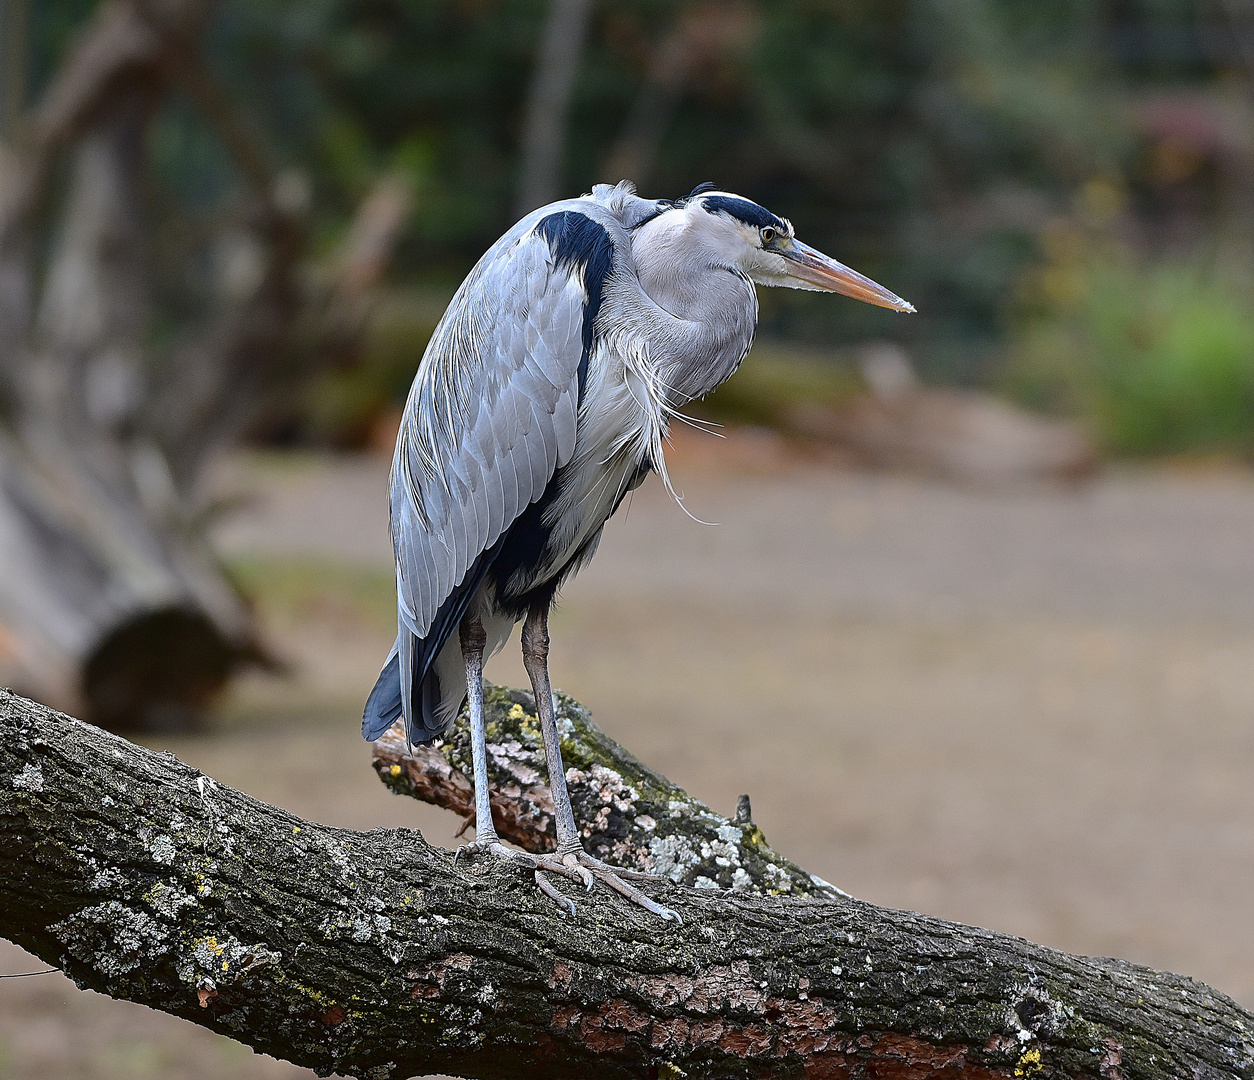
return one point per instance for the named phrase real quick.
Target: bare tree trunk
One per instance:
(371, 954)
(114, 601)
(14, 66)
(548, 103)
(703, 34)
(111, 596)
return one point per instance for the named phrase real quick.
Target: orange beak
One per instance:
(820, 272)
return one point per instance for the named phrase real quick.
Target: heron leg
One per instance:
(570, 855)
(473, 640)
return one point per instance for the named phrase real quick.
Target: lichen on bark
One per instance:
(630, 814)
(372, 955)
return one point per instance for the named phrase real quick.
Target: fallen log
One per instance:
(964, 435)
(111, 598)
(373, 955)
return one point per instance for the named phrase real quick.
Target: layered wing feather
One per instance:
(491, 417)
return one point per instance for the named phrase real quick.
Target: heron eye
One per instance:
(768, 234)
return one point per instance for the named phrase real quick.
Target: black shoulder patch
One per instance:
(576, 241)
(744, 210)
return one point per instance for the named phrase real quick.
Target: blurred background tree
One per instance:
(148, 316)
(1064, 190)
(935, 145)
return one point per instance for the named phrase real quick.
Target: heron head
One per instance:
(748, 237)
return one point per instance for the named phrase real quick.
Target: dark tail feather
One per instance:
(383, 707)
(431, 727)
(387, 701)
(424, 689)
(416, 657)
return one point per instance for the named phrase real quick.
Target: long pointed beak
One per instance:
(819, 272)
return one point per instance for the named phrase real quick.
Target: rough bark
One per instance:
(371, 954)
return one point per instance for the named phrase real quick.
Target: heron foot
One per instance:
(491, 844)
(575, 863)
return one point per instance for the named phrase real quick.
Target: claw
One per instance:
(669, 914)
(554, 893)
(585, 875)
(474, 847)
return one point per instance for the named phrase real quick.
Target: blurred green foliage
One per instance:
(932, 144)
(912, 140)
(357, 406)
(1157, 355)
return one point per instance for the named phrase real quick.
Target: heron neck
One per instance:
(716, 313)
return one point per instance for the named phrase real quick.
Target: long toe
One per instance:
(623, 888)
(572, 860)
(614, 878)
(627, 875)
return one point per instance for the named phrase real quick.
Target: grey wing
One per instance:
(490, 418)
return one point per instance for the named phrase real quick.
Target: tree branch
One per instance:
(632, 816)
(371, 954)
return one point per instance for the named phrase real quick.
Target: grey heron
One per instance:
(544, 397)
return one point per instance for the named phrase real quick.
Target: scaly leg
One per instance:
(473, 639)
(570, 854)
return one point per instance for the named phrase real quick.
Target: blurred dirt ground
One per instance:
(1028, 709)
